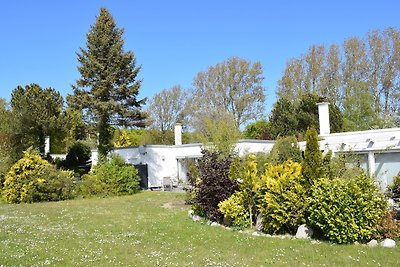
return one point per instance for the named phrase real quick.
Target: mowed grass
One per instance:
(153, 229)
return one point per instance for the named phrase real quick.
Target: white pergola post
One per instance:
(47, 145)
(371, 163)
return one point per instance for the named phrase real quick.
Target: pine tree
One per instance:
(312, 165)
(108, 88)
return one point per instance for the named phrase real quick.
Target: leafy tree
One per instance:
(76, 128)
(7, 140)
(358, 101)
(108, 88)
(219, 135)
(260, 129)
(283, 118)
(291, 117)
(312, 165)
(360, 77)
(122, 138)
(165, 109)
(37, 113)
(234, 85)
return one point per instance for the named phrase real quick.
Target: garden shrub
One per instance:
(343, 165)
(344, 211)
(388, 227)
(234, 209)
(113, 177)
(393, 190)
(284, 149)
(213, 184)
(245, 171)
(78, 158)
(33, 179)
(312, 165)
(282, 199)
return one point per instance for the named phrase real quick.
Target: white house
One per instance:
(169, 160)
(378, 150)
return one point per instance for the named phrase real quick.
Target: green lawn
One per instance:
(153, 229)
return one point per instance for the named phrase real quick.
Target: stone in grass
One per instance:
(255, 234)
(304, 232)
(388, 243)
(190, 213)
(372, 243)
(196, 218)
(215, 224)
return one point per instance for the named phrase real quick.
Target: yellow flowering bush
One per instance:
(33, 179)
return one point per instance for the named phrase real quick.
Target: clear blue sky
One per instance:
(174, 40)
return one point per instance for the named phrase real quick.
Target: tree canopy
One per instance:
(234, 86)
(165, 109)
(296, 116)
(36, 114)
(108, 88)
(361, 77)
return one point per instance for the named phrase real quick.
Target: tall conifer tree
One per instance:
(108, 88)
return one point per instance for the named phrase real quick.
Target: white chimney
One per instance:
(47, 145)
(178, 134)
(323, 114)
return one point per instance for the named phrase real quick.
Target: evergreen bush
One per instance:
(78, 158)
(113, 177)
(344, 211)
(282, 199)
(33, 179)
(285, 148)
(235, 210)
(312, 165)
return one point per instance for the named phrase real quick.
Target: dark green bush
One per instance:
(33, 179)
(78, 158)
(344, 211)
(213, 185)
(113, 177)
(393, 190)
(285, 148)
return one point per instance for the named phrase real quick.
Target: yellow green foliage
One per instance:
(246, 172)
(282, 198)
(33, 179)
(122, 139)
(108, 178)
(234, 209)
(345, 211)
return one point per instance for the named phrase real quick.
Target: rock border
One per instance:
(386, 243)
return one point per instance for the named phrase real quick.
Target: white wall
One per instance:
(165, 161)
(162, 161)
